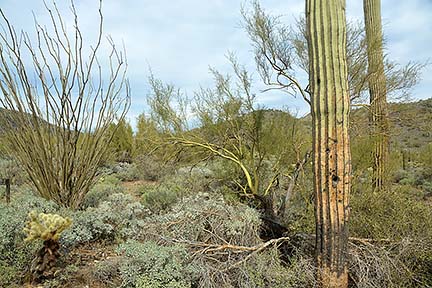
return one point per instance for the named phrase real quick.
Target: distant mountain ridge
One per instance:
(411, 122)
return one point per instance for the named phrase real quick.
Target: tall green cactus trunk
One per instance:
(326, 25)
(378, 93)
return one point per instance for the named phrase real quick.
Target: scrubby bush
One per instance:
(15, 254)
(148, 265)
(119, 217)
(161, 197)
(206, 221)
(123, 171)
(266, 270)
(88, 226)
(393, 214)
(174, 188)
(105, 187)
(399, 222)
(108, 272)
(153, 169)
(208, 218)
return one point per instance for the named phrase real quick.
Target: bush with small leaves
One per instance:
(160, 198)
(105, 187)
(151, 168)
(107, 272)
(125, 171)
(88, 226)
(208, 218)
(399, 216)
(173, 188)
(15, 254)
(148, 265)
(267, 270)
(119, 217)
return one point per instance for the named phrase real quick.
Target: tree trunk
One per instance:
(326, 26)
(378, 93)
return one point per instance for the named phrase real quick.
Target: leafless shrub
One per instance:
(60, 103)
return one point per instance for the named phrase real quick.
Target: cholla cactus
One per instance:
(45, 226)
(48, 228)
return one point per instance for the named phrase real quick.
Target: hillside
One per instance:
(411, 123)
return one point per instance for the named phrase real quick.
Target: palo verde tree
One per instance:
(60, 103)
(230, 126)
(330, 102)
(378, 93)
(281, 51)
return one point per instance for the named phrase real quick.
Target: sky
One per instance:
(181, 39)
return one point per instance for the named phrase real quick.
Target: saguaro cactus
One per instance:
(330, 103)
(378, 92)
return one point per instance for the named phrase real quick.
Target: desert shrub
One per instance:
(418, 176)
(393, 214)
(105, 187)
(119, 217)
(300, 216)
(406, 263)
(125, 171)
(207, 218)
(148, 265)
(425, 155)
(152, 168)
(62, 279)
(266, 270)
(173, 188)
(15, 254)
(361, 153)
(9, 275)
(161, 197)
(88, 226)
(193, 179)
(402, 220)
(107, 271)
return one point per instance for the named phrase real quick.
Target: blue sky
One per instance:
(180, 39)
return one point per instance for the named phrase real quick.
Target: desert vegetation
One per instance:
(238, 195)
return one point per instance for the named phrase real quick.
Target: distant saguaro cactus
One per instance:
(378, 93)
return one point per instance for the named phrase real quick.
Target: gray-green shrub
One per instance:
(149, 265)
(105, 187)
(15, 254)
(119, 217)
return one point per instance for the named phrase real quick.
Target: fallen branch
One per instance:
(256, 250)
